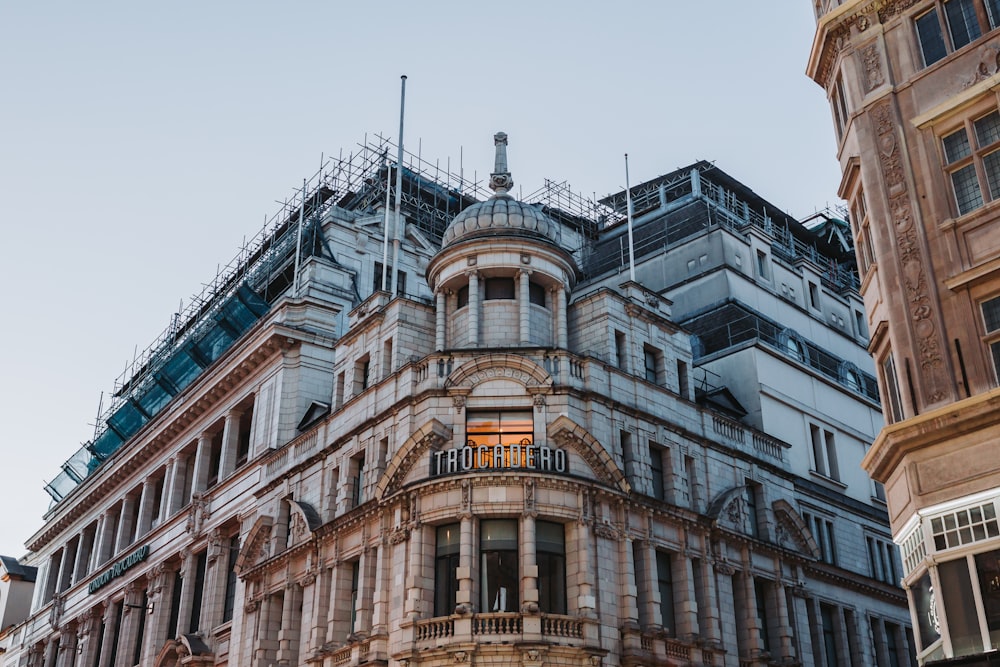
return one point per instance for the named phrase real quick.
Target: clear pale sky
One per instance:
(140, 143)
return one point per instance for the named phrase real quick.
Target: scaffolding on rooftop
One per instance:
(260, 273)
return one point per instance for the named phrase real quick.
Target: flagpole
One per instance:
(628, 205)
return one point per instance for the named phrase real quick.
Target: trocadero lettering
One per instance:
(513, 456)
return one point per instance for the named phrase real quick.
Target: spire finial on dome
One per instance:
(500, 180)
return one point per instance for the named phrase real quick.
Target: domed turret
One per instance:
(501, 214)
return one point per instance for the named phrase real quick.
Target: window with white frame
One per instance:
(972, 161)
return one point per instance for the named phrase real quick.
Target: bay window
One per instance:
(972, 159)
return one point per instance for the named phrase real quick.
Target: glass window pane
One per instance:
(988, 129)
(550, 547)
(962, 22)
(967, 194)
(927, 608)
(988, 568)
(991, 165)
(963, 621)
(991, 318)
(956, 145)
(930, 37)
(993, 10)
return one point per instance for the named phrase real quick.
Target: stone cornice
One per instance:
(836, 26)
(946, 424)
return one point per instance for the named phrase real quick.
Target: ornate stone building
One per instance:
(913, 87)
(515, 455)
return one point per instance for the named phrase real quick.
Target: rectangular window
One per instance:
(377, 280)
(682, 378)
(201, 561)
(951, 25)
(499, 427)
(550, 554)
(357, 478)
(498, 288)
(882, 560)
(974, 170)
(229, 602)
(628, 456)
(753, 493)
(665, 585)
(536, 294)
(829, 630)
(355, 581)
(839, 102)
(656, 463)
(762, 591)
(500, 580)
(893, 402)
(446, 559)
(822, 531)
(243, 439)
(653, 360)
(814, 295)
(762, 267)
(621, 351)
(824, 450)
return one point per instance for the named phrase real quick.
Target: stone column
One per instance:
(168, 471)
(524, 306)
(415, 580)
(381, 591)
(561, 336)
(266, 641)
(320, 608)
(880, 648)
(133, 616)
(89, 636)
(125, 523)
(157, 592)
(82, 555)
(187, 572)
(785, 632)
(111, 620)
(840, 628)
(474, 307)
(629, 585)
(175, 489)
(214, 596)
(708, 617)
(230, 443)
(800, 614)
(65, 564)
(685, 598)
(465, 567)
(366, 584)
(529, 564)
(201, 463)
(337, 627)
(440, 329)
(288, 635)
(648, 589)
(97, 555)
(145, 507)
(67, 647)
(752, 622)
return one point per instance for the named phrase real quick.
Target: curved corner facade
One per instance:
(512, 456)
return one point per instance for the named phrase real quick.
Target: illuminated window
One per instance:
(507, 427)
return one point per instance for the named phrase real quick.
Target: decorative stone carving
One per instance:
(911, 262)
(988, 65)
(606, 531)
(872, 60)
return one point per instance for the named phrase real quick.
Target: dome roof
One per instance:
(500, 215)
